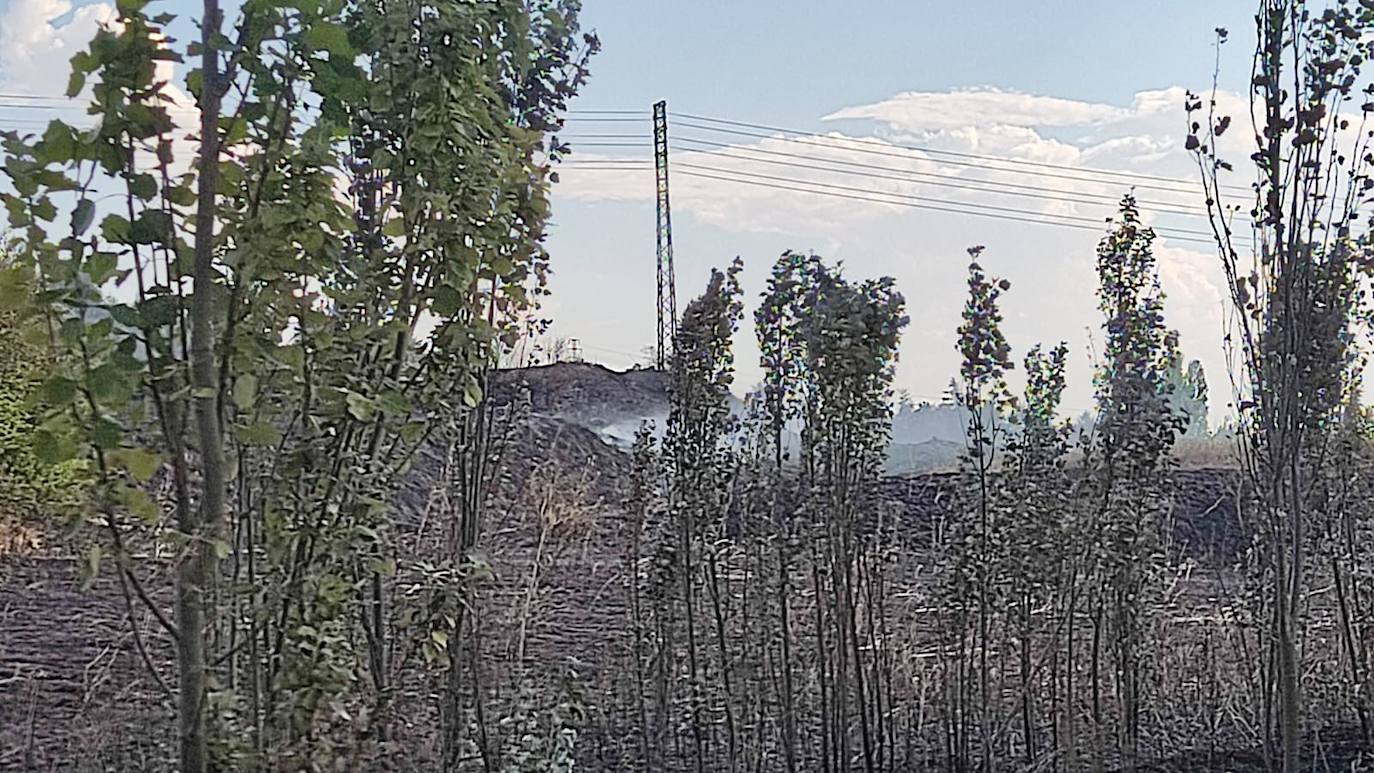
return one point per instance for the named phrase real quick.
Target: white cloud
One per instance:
(936, 110)
(35, 48)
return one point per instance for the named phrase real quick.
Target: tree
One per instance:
(1135, 432)
(33, 495)
(363, 242)
(1294, 293)
(1188, 396)
(1034, 495)
(982, 392)
(698, 420)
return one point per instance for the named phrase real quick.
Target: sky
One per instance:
(1076, 84)
(878, 98)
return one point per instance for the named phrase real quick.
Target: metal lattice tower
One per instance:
(667, 284)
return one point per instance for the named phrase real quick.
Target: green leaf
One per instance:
(45, 210)
(58, 143)
(472, 394)
(106, 435)
(141, 463)
(140, 505)
(107, 381)
(394, 403)
(151, 227)
(143, 186)
(127, 316)
(360, 407)
(181, 195)
(100, 265)
(59, 391)
(51, 448)
(328, 36)
(245, 391)
(83, 216)
(260, 434)
(158, 311)
(75, 83)
(446, 301)
(115, 229)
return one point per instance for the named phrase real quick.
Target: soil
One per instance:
(74, 694)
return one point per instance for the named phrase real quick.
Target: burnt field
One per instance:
(76, 694)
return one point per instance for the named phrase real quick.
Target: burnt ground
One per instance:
(74, 694)
(1340, 749)
(1206, 524)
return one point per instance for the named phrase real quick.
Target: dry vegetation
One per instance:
(315, 528)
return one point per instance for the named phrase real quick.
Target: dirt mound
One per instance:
(539, 446)
(611, 403)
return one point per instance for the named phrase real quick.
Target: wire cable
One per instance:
(908, 156)
(1021, 216)
(965, 182)
(944, 181)
(913, 197)
(953, 153)
(907, 175)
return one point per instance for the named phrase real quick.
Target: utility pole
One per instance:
(667, 284)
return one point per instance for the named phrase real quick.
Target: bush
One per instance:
(32, 493)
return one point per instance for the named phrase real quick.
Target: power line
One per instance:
(965, 181)
(13, 106)
(34, 96)
(907, 175)
(944, 181)
(591, 168)
(907, 155)
(645, 144)
(642, 116)
(955, 153)
(639, 162)
(603, 136)
(1022, 217)
(902, 199)
(913, 197)
(83, 107)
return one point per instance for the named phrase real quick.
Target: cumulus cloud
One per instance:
(986, 165)
(38, 38)
(935, 110)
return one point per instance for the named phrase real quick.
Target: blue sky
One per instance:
(790, 63)
(1078, 85)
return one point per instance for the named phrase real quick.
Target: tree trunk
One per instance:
(195, 574)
